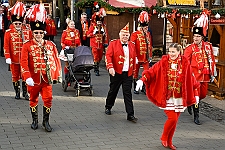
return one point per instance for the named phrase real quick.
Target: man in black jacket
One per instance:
(83, 25)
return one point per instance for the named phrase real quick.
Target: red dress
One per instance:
(156, 82)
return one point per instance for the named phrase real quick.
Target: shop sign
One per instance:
(181, 2)
(214, 21)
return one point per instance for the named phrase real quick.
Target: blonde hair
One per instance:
(177, 46)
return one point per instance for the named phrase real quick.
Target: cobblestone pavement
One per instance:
(79, 123)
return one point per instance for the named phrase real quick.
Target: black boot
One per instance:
(135, 92)
(24, 88)
(16, 86)
(97, 69)
(189, 110)
(34, 113)
(45, 123)
(196, 114)
(143, 89)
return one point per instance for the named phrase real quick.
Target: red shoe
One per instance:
(171, 146)
(164, 143)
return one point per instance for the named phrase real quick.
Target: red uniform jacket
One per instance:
(195, 56)
(70, 37)
(156, 82)
(141, 47)
(50, 27)
(13, 43)
(33, 64)
(114, 57)
(98, 40)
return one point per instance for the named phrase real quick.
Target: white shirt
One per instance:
(126, 58)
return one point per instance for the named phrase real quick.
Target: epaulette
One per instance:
(53, 43)
(187, 45)
(113, 40)
(26, 41)
(132, 42)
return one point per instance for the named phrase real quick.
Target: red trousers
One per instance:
(203, 90)
(97, 53)
(45, 90)
(145, 66)
(170, 125)
(16, 72)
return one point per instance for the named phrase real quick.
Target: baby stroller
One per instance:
(80, 62)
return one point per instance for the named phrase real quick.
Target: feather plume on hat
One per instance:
(37, 13)
(143, 18)
(18, 9)
(203, 22)
(37, 16)
(18, 12)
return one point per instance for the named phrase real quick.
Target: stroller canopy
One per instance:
(83, 57)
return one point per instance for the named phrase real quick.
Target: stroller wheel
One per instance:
(91, 92)
(64, 85)
(77, 92)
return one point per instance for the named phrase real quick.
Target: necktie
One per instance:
(124, 44)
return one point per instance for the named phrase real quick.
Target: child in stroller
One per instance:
(80, 62)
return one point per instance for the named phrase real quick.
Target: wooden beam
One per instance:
(219, 29)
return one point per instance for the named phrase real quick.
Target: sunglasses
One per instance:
(38, 32)
(17, 23)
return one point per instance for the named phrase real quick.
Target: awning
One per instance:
(132, 3)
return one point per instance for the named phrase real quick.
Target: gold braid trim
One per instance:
(33, 109)
(48, 110)
(145, 78)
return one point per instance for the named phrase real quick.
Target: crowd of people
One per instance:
(178, 81)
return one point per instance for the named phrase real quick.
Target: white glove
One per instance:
(136, 60)
(8, 61)
(112, 71)
(45, 32)
(30, 81)
(139, 85)
(67, 47)
(95, 30)
(197, 99)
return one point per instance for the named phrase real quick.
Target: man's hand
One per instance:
(139, 85)
(8, 61)
(112, 71)
(30, 81)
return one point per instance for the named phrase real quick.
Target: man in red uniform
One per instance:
(40, 67)
(50, 28)
(143, 42)
(200, 55)
(120, 62)
(83, 25)
(98, 39)
(13, 42)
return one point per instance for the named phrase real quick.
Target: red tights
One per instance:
(170, 125)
